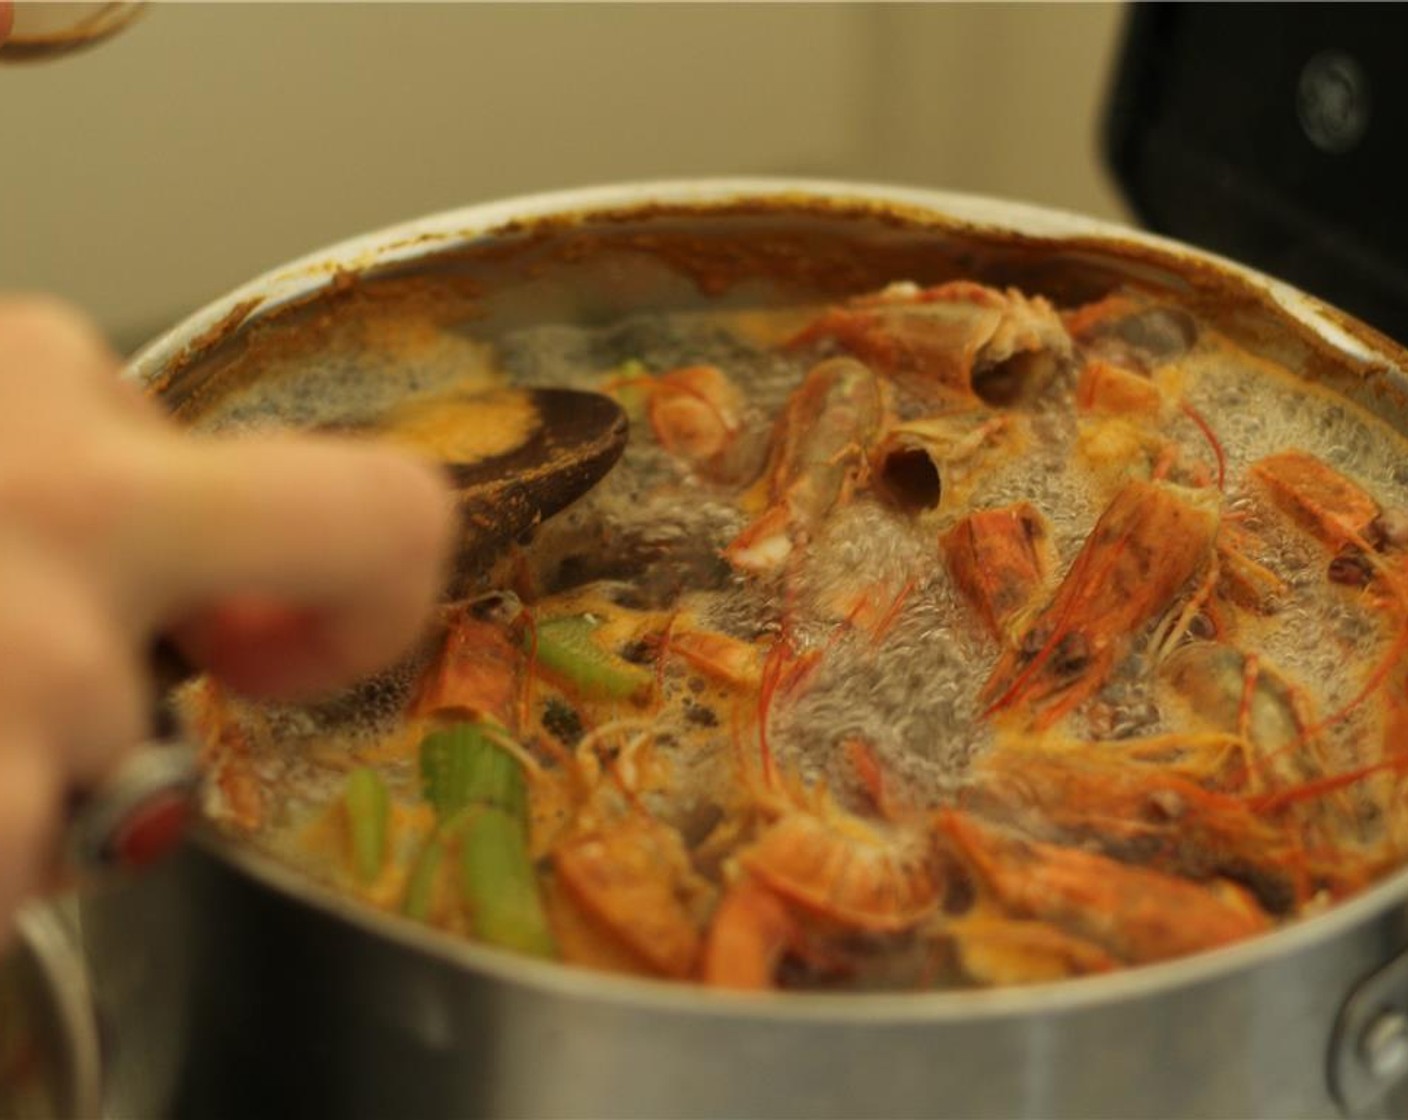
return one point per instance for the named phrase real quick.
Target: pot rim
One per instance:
(979, 214)
(955, 211)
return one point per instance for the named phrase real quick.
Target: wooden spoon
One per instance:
(514, 456)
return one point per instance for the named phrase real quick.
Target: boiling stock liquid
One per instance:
(653, 533)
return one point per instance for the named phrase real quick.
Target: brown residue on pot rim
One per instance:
(799, 246)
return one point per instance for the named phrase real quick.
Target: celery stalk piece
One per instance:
(481, 800)
(420, 888)
(626, 384)
(461, 765)
(368, 814)
(500, 885)
(567, 648)
(420, 885)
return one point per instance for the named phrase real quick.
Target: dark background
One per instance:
(1274, 134)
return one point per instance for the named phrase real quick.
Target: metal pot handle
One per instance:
(1369, 1048)
(46, 973)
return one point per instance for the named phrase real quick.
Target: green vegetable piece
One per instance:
(499, 883)
(480, 798)
(461, 766)
(566, 646)
(626, 383)
(368, 814)
(421, 886)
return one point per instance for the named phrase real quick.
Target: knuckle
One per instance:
(61, 647)
(37, 307)
(79, 504)
(92, 691)
(76, 656)
(49, 321)
(70, 673)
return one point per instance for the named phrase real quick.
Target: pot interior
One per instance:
(351, 344)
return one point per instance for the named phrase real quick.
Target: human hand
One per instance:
(284, 565)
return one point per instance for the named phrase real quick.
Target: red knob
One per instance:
(151, 830)
(139, 813)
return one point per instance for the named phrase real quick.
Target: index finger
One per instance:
(356, 534)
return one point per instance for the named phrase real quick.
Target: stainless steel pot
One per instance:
(49, 1059)
(231, 987)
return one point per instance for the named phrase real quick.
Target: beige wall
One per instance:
(211, 142)
(997, 98)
